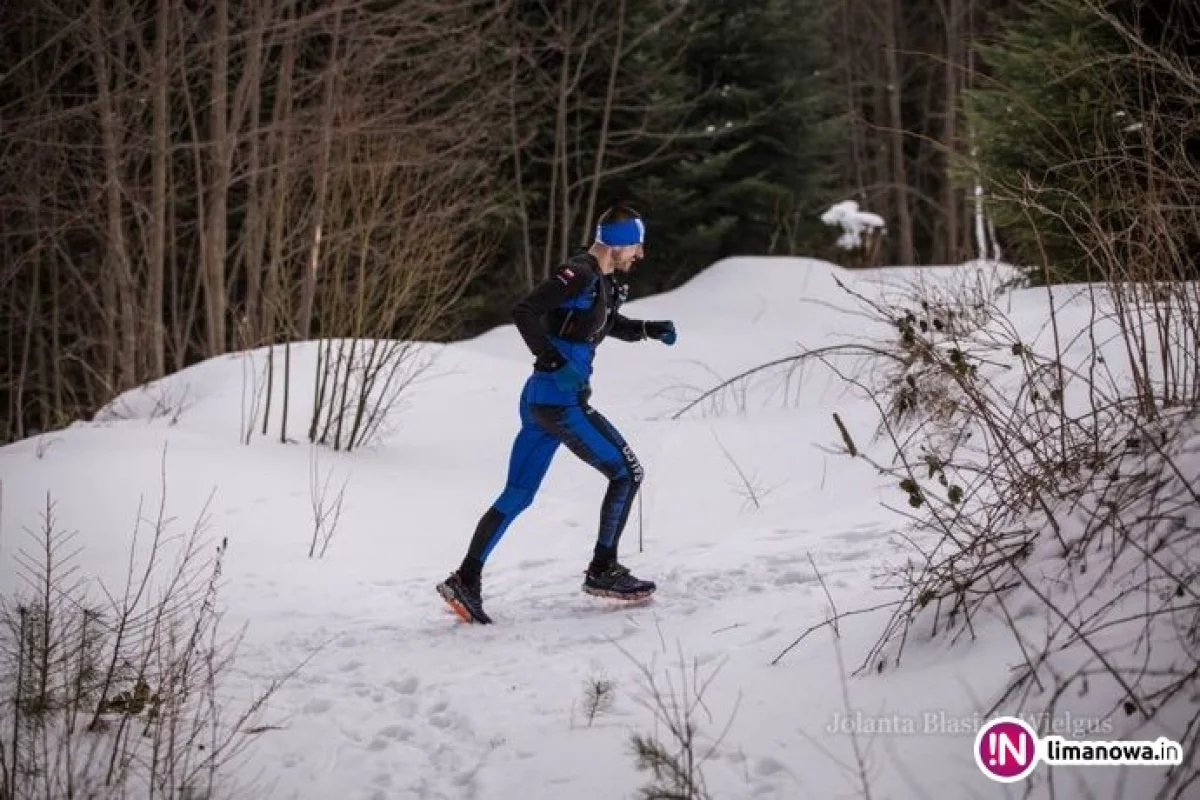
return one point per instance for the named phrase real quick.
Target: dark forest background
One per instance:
(180, 179)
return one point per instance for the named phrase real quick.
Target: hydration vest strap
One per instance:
(565, 323)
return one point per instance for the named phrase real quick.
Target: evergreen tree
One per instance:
(1073, 147)
(754, 165)
(595, 99)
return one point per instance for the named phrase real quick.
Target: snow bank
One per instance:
(747, 520)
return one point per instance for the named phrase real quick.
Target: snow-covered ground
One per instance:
(399, 699)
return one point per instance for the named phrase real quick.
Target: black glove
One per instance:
(663, 330)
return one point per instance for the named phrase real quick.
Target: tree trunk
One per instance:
(309, 289)
(176, 337)
(853, 105)
(609, 94)
(950, 194)
(255, 230)
(896, 122)
(278, 182)
(21, 379)
(123, 326)
(58, 404)
(156, 332)
(248, 105)
(190, 295)
(215, 291)
(559, 167)
(517, 144)
(279, 146)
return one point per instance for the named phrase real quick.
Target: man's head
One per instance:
(620, 236)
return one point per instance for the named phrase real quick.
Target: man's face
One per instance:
(624, 257)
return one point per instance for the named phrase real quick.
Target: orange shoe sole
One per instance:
(458, 608)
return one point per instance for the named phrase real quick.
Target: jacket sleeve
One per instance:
(530, 313)
(627, 330)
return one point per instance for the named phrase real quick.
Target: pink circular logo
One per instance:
(1006, 749)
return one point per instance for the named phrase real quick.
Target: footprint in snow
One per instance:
(786, 532)
(850, 555)
(317, 706)
(399, 733)
(388, 736)
(443, 721)
(407, 686)
(770, 766)
(795, 578)
(380, 720)
(862, 535)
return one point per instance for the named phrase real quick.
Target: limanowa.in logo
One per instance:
(1008, 748)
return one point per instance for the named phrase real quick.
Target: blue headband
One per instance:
(622, 233)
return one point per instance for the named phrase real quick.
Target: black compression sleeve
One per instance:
(627, 330)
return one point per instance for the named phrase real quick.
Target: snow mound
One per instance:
(748, 519)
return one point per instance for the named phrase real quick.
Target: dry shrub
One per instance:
(117, 694)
